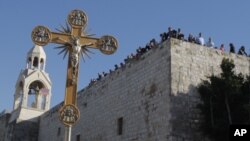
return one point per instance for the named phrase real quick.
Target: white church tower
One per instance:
(33, 87)
(31, 99)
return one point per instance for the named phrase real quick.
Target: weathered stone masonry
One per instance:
(155, 96)
(139, 93)
(3, 125)
(191, 63)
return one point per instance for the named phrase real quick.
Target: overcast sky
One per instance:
(132, 22)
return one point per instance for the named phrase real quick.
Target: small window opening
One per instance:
(120, 126)
(41, 61)
(42, 64)
(59, 131)
(78, 137)
(35, 62)
(29, 62)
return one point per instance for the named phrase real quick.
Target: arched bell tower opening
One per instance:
(37, 95)
(35, 62)
(29, 62)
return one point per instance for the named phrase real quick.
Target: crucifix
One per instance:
(74, 42)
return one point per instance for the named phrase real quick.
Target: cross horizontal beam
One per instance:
(74, 41)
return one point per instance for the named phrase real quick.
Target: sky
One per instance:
(132, 22)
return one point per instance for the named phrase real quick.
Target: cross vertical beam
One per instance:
(74, 42)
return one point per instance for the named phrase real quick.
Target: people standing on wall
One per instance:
(100, 75)
(116, 67)
(232, 48)
(191, 38)
(200, 40)
(242, 51)
(210, 43)
(104, 74)
(222, 48)
(139, 52)
(122, 65)
(171, 33)
(153, 43)
(147, 47)
(163, 36)
(179, 35)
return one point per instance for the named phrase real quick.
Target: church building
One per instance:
(151, 98)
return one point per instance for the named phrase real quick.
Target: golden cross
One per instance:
(75, 42)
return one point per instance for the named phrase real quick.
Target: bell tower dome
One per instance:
(36, 58)
(33, 87)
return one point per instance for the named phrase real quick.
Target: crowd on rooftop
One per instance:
(171, 33)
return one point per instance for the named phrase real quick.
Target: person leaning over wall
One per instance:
(242, 51)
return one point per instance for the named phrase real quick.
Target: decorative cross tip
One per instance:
(41, 35)
(107, 44)
(77, 18)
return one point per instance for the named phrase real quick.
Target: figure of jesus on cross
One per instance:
(74, 42)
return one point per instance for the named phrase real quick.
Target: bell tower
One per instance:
(31, 98)
(33, 87)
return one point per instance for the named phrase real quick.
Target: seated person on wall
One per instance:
(179, 35)
(222, 48)
(200, 40)
(147, 47)
(171, 33)
(210, 43)
(153, 43)
(116, 67)
(232, 48)
(191, 38)
(242, 51)
(163, 36)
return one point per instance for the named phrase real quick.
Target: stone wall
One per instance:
(138, 93)
(22, 131)
(4, 118)
(190, 64)
(155, 96)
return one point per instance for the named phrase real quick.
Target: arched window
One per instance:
(29, 62)
(35, 62)
(33, 94)
(42, 64)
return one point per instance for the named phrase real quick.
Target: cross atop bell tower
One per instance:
(33, 87)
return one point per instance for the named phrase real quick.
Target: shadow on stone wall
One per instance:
(185, 116)
(23, 131)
